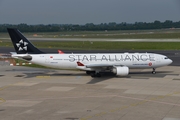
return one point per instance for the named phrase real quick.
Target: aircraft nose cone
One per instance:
(170, 61)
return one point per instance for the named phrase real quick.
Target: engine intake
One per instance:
(121, 71)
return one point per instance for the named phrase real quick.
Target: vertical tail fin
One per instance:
(21, 44)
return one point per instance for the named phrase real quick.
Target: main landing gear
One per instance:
(154, 71)
(93, 73)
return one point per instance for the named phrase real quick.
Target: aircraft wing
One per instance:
(97, 65)
(118, 69)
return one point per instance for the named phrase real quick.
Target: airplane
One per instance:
(92, 63)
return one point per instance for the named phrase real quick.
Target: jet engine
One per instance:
(121, 71)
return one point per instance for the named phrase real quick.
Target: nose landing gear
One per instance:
(154, 71)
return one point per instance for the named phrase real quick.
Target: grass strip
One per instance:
(98, 45)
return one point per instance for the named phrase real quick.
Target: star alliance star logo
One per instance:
(22, 45)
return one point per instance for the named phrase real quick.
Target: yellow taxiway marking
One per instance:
(5, 87)
(46, 77)
(2, 100)
(2, 88)
(43, 76)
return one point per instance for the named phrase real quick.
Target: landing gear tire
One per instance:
(89, 72)
(95, 75)
(154, 71)
(98, 75)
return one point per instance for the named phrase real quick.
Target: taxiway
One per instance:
(48, 94)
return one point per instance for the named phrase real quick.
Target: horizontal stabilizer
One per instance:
(22, 56)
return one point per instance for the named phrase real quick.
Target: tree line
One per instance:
(92, 27)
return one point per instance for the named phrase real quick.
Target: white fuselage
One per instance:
(131, 60)
(93, 64)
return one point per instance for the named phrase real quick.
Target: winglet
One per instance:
(60, 52)
(80, 64)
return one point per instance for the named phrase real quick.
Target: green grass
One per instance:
(97, 45)
(112, 45)
(87, 45)
(124, 34)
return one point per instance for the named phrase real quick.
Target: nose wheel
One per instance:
(154, 71)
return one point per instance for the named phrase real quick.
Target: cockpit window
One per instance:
(166, 58)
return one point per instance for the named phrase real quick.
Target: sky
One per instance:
(87, 11)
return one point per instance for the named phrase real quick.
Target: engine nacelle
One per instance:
(121, 71)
